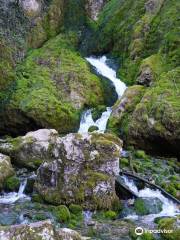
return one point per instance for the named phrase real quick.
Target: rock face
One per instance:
(38, 231)
(73, 169)
(93, 7)
(150, 119)
(149, 40)
(120, 117)
(31, 5)
(6, 169)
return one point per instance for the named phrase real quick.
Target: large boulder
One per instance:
(82, 171)
(6, 169)
(53, 85)
(148, 118)
(32, 149)
(122, 110)
(73, 169)
(37, 231)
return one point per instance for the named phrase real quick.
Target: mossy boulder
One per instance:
(145, 206)
(62, 213)
(171, 226)
(122, 110)
(6, 169)
(32, 149)
(37, 231)
(151, 120)
(75, 209)
(52, 87)
(155, 121)
(110, 215)
(82, 171)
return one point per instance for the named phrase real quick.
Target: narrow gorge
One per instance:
(89, 120)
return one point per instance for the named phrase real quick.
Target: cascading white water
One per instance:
(103, 69)
(87, 121)
(87, 216)
(168, 208)
(12, 197)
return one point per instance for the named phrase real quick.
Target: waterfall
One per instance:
(168, 208)
(87, 121)
(12, 197)
(103, 69)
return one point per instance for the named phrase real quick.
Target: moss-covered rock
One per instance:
(62, 214)
(143, 206)
(122, 110)
(82, 171)
(53, 85)
(37, 231)
(75, 209)
(6, 169)
(32, 149)
(97, 112)
(93, 128)
(110, 215)
(155, 121)
(171, 227)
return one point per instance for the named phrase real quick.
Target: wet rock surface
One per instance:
(32, 149)
(39, 230)
(83, 172)
(73, 169)
(93, 7)
(6, 169)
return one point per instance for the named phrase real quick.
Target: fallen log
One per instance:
(123, 191)
(168, 195)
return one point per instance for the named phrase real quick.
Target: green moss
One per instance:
(141, 154)
(54, 84)
(110, 215)
(169, 224)
(37, 198)
(62, 214)
(123, 162)
(145, 236)
(140, 207)
(93, 128)
(95, 177)
(75, 209)
(119, 120)
(97, 112)
(12, 183)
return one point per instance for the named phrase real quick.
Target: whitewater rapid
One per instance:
(100, 64)
(12, 197)
(169, 209)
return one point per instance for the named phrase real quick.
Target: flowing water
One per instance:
(12, 197)
(168, 207)
(103, 69)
